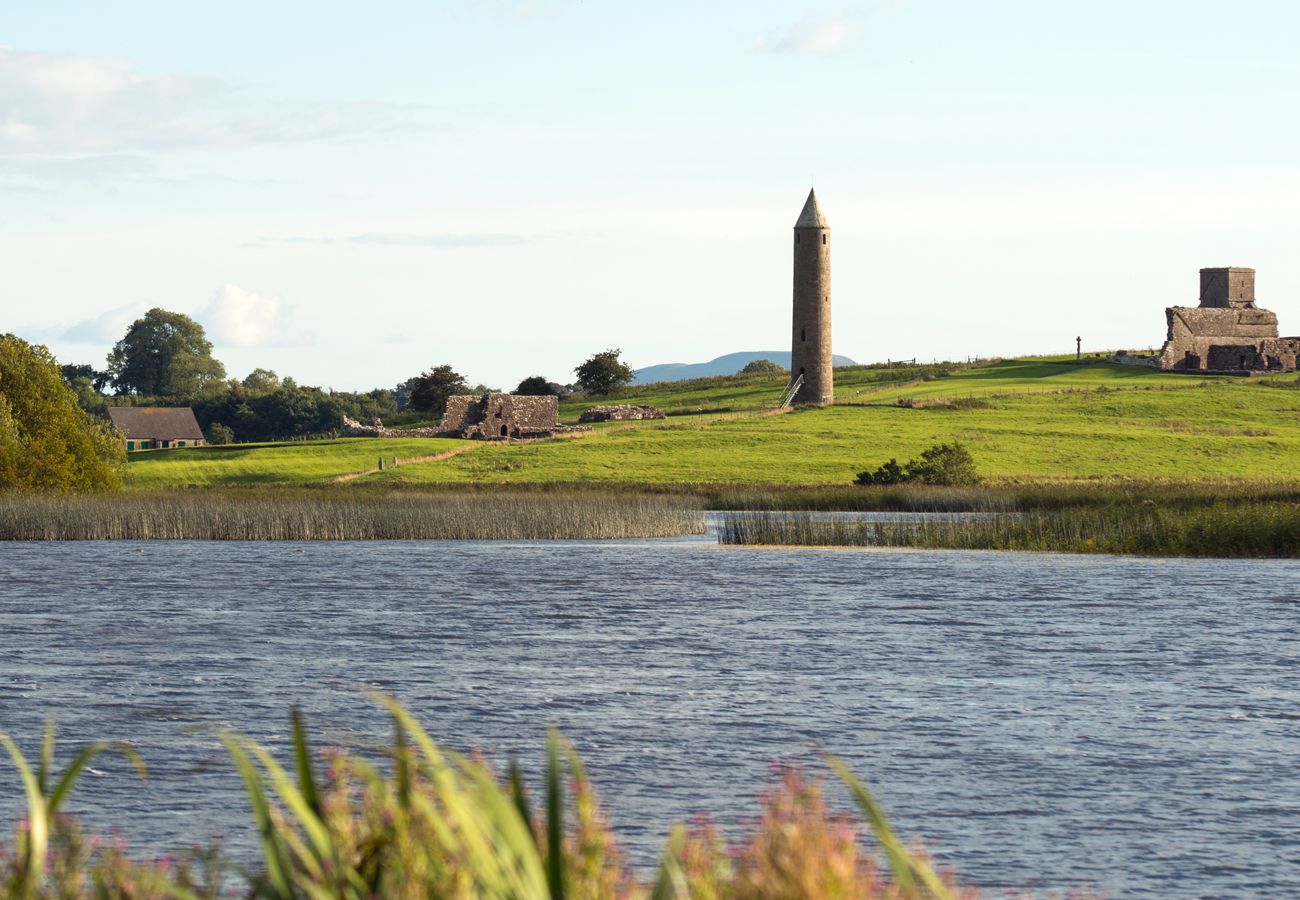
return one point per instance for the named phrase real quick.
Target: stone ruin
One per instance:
(491, 417)
(1226, 333)
(352, 428)
(495, 417)
(622, 413)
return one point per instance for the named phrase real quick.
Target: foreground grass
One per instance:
(1258, 530)
(333, 515)
(423, 821)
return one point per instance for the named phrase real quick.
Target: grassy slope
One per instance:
(285, 464)
(1033, 420)
(1043, 421)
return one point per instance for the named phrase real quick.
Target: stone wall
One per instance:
(1194, 331)
(353, 428)
(502, 416)
(620, 413)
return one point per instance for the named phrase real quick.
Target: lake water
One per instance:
(1041, 720)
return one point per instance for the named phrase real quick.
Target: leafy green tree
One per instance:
(98, 380)
(261, 381)
(762, 367)
(536, 386)
(47, 442)
(430, 390)
(220, 434)
(603, 373)
(164, 354)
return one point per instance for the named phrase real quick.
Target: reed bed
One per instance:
(1004, 498)
(422, 821)
(1260, 530)
(329, 516)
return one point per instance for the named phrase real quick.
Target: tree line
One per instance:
(165, 359)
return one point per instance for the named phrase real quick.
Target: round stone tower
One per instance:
(810, 354)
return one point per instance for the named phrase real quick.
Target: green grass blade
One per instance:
(322, 845)
(671, 882)
(554, 816)
(273, 851)
(905, 866)
(38, 821)
(302, 761)
(47, 758)
(79, 762)
(519, 796)
(402, 761)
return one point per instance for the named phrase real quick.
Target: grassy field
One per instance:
(1023, 420)
(308, 462)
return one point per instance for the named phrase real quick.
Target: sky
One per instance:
(352, 193)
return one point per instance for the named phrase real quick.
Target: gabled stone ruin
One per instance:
(491, 417)
(1227, 332)
(495, 417)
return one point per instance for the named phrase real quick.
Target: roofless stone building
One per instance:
(1227, 332)
(810, 351)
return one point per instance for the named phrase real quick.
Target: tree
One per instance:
(220, 434)
(603, 373)
(47, 442)
(261, 381)
(537, 386)
(762, 367)
(164, 354)
(98, 380)
(430, 390)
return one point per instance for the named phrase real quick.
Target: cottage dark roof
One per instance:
(176, 423)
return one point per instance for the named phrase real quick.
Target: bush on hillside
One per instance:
(942, 464)
(762, 367)
(47, 442)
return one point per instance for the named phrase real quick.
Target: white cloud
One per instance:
(438, 241)
(65, 104)
(242, 318)
(106, 328)
(818, 38)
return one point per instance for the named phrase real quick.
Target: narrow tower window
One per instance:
(802, 334)
(823, 238)
(796, 237)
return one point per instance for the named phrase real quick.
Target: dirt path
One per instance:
(446, 454)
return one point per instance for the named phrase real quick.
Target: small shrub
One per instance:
(762, 367)
(890, 473)
(943, 464)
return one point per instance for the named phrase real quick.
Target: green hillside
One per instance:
(1023, 420)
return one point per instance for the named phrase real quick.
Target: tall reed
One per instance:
(1263, 530)
(427, 822)
(326, 515)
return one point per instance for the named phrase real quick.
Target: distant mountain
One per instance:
(723, 365)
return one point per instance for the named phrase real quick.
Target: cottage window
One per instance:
(180, 443)
(130, 445)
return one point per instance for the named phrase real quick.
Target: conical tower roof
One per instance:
(812, 217)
